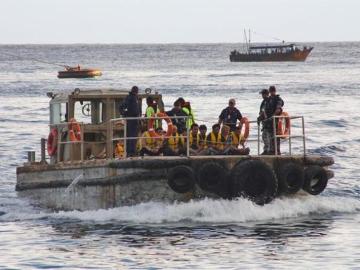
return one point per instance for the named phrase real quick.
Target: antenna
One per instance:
(249, 36)
(246, 41)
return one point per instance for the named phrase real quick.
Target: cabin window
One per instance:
(90, 111)
(58, 113)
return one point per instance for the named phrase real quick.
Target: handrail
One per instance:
(110, 132)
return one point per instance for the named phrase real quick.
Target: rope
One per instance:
(33, 59)
(271, 37)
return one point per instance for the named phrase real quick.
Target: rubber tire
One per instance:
(213, 177)
(181, 179)
(315, 172)
(255, 180)
(290, 178)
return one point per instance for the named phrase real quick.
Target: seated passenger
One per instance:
(237, 140)
(174, 145)
(149, 145)
(213, 139)
(225, 142)
(119, 149)
(194, 140)
(202, 143)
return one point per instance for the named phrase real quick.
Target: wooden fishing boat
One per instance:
(270, 53)
(273, 53)
(77, 72)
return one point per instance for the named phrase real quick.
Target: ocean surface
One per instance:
(312, 232)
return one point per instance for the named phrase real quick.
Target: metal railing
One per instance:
(123, 120)
(125, 138)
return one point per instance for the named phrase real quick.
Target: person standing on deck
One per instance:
(180, 122)
(273, 108)
(152, 110)
(266, 130)
(230, 115)
(131, 108)
(186, 108)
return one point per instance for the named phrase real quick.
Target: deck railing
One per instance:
(110, 139)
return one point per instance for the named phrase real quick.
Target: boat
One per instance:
(270, 53)
(80, 168)
(78, 72)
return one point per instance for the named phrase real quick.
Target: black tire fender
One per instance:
(290, 178)
(213, 177)
(315, 180)
(181, 179)
(255, 180)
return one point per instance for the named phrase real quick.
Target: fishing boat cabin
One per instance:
(82, 123)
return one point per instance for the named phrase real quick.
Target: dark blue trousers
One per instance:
(132, 127)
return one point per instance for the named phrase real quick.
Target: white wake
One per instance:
(202, 211)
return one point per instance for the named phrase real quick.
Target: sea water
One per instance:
(301, 232)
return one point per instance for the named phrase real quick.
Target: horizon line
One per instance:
(169, 43)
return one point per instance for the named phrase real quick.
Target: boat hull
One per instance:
(84, 73)
(108, 184)
(297, 56)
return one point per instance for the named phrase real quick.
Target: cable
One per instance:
(267, 36)
(33, 59)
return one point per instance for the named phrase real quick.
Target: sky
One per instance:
(177, 21)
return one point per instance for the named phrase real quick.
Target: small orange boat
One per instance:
(77, 72)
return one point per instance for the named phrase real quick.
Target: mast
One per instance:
(246, 41)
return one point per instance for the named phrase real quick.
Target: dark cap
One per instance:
(264, 91)
(272, 89)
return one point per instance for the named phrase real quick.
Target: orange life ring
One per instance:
(284, 130)
(52, 142)
(74, 130)
(244, 135)
(168, 122)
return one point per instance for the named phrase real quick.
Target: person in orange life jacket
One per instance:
(174, 145)
(202, 143)
(274, 107)
(151, 146)
(230, 115)
(119, 149)
(266, 130)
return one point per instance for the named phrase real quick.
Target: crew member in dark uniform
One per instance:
(230, 115)
(267, 133)
(273, 107)
(131, 108)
